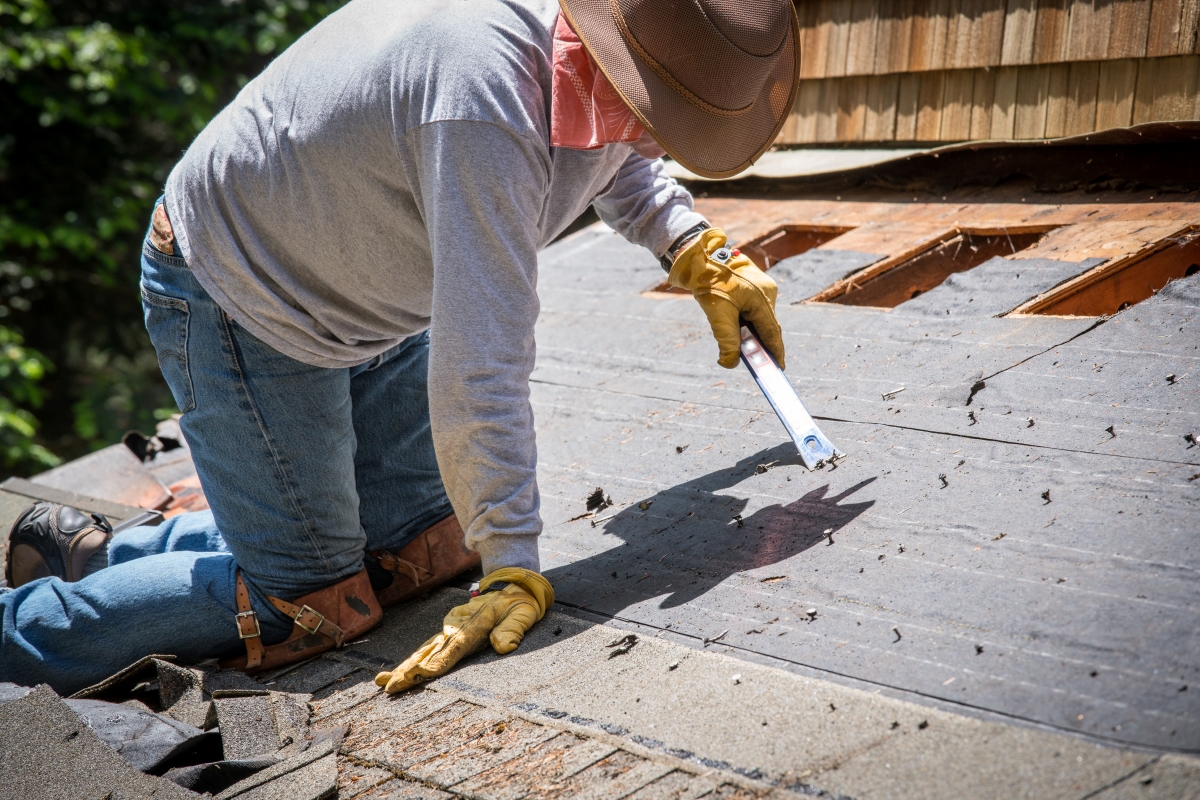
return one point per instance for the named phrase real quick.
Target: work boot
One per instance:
(53, 540)
(325, 619)
(437, 555)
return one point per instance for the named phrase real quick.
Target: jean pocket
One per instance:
(167, 321)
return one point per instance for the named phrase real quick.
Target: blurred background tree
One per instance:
(98, 99)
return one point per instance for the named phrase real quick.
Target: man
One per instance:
(341, 287)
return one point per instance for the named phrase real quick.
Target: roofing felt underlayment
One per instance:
(997, 550)
(1004, 563)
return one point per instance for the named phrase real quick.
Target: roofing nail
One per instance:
(718, 637)
(681, 448)
(978, 649)
(942, 478)
(829, 535)
(812, 613)
(1190, 438)
(673, 665)
(597, 521)
(1046, 497)
(737, 679)
(971, 416)
(1111, 433)
(1171, 379)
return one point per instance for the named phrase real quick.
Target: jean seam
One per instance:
(164, 301)
(282, 473)
(150, 251)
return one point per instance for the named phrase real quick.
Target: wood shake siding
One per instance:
(953, 70)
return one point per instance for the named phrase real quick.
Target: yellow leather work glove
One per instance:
(502, 615)
(728, 287)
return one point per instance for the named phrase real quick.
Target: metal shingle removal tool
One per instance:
(813, 445)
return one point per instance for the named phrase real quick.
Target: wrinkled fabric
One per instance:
(392, 173)
(586, 112)
(305, 468)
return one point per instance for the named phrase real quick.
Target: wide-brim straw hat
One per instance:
(712, 80)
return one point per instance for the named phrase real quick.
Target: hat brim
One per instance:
(708, 144)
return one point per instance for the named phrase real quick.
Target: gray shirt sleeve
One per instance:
(481, 187)
(645, 204)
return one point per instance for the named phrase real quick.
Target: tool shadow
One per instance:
(683, 541)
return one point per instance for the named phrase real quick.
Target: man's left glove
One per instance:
(510, 600)
(729, 288)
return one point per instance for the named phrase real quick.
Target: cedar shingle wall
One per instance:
(840, 38)
(951, 70)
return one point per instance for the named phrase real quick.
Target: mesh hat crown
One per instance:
(712, 80)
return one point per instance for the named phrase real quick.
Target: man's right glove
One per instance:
(517, 599)
(728, 288)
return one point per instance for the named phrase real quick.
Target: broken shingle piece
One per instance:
(50, 753)
(308, 775)
(597, 501)
(247, 726)
(181, 695)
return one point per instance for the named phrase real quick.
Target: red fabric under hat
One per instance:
(585, 111)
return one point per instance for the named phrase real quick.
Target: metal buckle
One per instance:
(238, 617)
(320, 619)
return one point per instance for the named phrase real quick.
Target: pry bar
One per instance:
(813, 445)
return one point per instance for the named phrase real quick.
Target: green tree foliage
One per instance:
(20, 371)
(98, 98)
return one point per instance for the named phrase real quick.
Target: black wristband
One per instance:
(668, 258)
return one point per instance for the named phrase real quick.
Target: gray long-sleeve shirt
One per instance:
(390, 173)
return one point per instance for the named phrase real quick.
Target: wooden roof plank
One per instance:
(1109, 239)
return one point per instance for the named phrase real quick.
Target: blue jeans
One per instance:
(305, 468)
